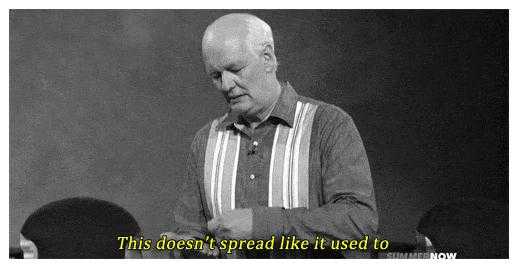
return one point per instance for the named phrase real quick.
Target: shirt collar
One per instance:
(284, 109)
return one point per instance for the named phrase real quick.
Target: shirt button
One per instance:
(252, 176)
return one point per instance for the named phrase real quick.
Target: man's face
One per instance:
(239, 73)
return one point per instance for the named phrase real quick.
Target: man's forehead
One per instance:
(225, 52)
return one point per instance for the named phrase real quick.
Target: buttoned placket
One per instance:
(254, 163)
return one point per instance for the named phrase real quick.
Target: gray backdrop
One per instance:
(105, 103)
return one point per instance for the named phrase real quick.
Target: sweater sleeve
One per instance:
(188, 213)
(349, 209)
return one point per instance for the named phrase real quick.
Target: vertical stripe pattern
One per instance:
(289, 162)
(221, 159)
(288, 178)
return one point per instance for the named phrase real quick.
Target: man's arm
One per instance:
(189, 220)
(188, 215)
(349, 209)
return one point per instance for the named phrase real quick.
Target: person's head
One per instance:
(238, 52)
(78, 227)
(472, 227)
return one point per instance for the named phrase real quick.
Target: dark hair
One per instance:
(79, 227)
(472, 227)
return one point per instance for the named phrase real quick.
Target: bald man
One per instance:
(276, 163)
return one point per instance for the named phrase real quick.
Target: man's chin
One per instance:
(238, 109)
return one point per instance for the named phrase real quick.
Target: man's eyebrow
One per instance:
(229, 65)
(232, 65)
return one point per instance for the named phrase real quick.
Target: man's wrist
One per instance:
(267, 222)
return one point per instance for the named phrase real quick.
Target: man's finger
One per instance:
(214, 252)
(175, 236)
(213, 224)
(205, 249)
(222, 232)
(209, 252)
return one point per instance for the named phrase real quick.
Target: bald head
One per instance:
(240, 60)
(238, 29)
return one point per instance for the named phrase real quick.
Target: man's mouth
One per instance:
(234, 98)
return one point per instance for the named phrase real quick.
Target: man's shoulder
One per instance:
(200, 137)
(202, 131)
(327, 112)
(331, 122)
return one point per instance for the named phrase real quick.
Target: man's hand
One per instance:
(205, 250)
(235, 224)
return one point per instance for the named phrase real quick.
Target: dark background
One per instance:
(105, 103)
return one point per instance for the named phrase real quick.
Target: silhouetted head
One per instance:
(77, 228)
(474, 228)
(238, 52)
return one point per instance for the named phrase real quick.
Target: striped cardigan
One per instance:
(303, 172)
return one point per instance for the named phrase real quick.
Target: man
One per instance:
(77, 228)
(277, 163)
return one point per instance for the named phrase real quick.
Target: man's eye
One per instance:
(216, 75)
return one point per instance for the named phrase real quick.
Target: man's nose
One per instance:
(227, 81)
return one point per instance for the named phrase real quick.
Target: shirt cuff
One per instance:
(267, 222)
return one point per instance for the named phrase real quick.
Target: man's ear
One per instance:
(270, 61)
(29, 249)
